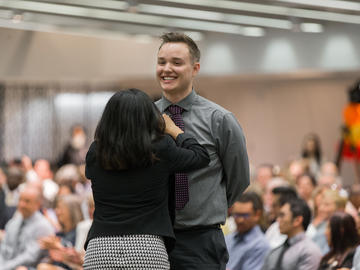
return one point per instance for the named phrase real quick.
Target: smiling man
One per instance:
(202, 197)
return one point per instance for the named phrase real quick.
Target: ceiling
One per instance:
(197, 17)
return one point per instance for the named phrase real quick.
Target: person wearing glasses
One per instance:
(247, 246)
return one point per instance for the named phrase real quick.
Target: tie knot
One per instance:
(175, 109)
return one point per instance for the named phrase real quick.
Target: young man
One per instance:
(298, 251)
(247, 246)
(203, 196)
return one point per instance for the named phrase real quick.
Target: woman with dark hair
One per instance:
(129, 165)
(343, 239)
(311, 153)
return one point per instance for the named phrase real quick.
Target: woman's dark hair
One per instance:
(317, 151)
(343, 233)
(128, 126)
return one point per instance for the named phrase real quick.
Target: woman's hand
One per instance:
(50, 242)
(170, 127)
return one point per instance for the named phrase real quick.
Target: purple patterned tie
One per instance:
(181, 179)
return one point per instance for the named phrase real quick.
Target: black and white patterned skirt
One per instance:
(127, 252)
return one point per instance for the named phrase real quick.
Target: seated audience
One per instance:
(305, 186)
(247, 246)
(15, 177)
(68, 212)
(19, 246)
(311, 153)
(343, 239)
(281, 195)
(263, 175)
(298, 252)
(330, 202)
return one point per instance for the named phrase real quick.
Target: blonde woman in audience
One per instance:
(68, 212)
(329, 202)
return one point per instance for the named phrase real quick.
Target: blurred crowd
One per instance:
(46, 209)
(297, 217)
(301, 210)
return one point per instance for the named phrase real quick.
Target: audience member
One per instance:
(295, 169)
(281, 195)
(15, 176)
(247, 246)
(268, 196)
(45, 176)
(305, 186)
(298, 252)
(329, 168)
(343, 239)
(68, 212)
(330, 202)
(311, 153)
(19, 246)
(263, 175)
(75, 150)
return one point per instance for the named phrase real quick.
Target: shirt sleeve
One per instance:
(232, 151)
(186, 154)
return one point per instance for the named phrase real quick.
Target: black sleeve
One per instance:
(186, 154)
(90, 160)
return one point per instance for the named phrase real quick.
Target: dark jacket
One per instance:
(137, 201)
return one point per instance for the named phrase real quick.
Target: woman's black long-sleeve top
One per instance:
(135, 201)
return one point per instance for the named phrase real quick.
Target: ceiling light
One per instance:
(253, 31)
(336, 4)
(271, 9)
(311, 27)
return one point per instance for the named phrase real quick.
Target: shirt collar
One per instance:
(185, 103)
(293, 240)
(248, 236)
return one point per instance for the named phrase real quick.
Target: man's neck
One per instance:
(176, 97)
(295, 232)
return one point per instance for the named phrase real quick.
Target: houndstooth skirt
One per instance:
(141, 252)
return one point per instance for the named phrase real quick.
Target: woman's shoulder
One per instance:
(163, 143)
(91, 154)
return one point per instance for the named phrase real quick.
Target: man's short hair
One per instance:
(174, 37)
(285, 194)
(254, 198)
(299, 207)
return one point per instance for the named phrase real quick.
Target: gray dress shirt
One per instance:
(214, 188)
(20, 246)
(303, 254)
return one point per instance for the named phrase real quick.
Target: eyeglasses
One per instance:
(241, 215)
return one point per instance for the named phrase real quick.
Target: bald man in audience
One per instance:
(19, 248)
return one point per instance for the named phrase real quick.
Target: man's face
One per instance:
(29, 203)
(175, 70)
(285, 219)
(245, 216)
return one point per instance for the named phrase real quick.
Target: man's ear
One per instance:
(257, 215)
(196, 68)
(297, 221)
